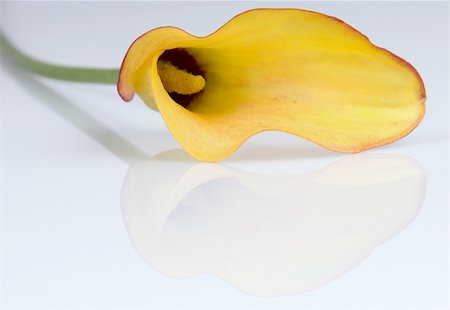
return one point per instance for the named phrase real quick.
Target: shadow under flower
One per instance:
(69, 111)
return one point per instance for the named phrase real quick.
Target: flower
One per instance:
(290, 70)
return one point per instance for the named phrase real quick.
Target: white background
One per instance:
(66, 149)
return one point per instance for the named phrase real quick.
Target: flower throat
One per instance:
(180, 75)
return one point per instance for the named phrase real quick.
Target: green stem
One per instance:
(75, 74)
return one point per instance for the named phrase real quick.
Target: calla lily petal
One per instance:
(290, 70)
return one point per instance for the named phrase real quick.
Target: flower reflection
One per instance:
(268, 235)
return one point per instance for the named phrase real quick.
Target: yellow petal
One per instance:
(291, 70)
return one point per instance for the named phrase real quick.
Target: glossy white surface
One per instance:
(268, 235)
(101, 209)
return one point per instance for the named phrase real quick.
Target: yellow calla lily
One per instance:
(290, 70)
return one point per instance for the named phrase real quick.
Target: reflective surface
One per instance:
(268, 235)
